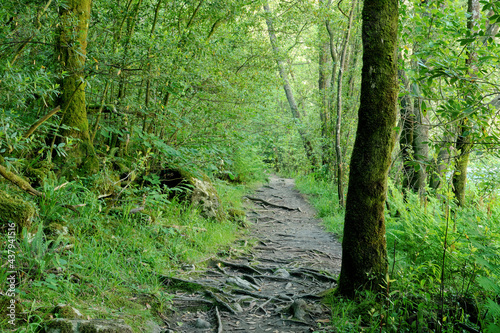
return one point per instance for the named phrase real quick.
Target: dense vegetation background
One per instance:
(102, 102)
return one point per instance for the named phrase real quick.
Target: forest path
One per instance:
(273, 288)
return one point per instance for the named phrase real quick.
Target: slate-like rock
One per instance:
(61, 325)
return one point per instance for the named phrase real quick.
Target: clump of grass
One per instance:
(323, 196)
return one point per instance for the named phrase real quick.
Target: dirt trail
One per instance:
(275, 287)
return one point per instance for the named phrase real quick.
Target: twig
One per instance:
(136, 210)
(41, 121)
(60, 186)
(74, 207)
(21, 183)
(264, 304)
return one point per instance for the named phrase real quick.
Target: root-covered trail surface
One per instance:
(273, 288)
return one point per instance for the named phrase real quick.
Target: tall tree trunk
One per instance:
(323, 92)
(407, 132)
(75, 18)
(335, 65)
(338, 125)
(323, 86)
(420, 147)
(414, 138)
(288, 89)
(364, 262)
(464, 144)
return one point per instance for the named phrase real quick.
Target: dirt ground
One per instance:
(273, 288)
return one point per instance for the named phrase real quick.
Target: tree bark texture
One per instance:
(407, 132)
(442, 162)
(464, 143)
(288, 89)
(338, 125)
(413, 142)
(364, 262)
(323, 92)
(420, 147)
(73, 48)
(323, 87)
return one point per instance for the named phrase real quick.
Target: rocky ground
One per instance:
(276, 286)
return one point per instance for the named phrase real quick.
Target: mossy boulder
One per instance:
(206, 198)
(202, 193)
(67, 311)
(15, 210)
(11, 311)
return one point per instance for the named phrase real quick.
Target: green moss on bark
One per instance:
(73, 47)
(364, 263)
(15, 210)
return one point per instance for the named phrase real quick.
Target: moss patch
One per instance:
(15, 210)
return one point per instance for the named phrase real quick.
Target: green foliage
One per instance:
(38, 255)
(321, 193)
(416, 233)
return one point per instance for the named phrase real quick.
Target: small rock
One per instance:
(237, 307)
(153, 327)
(282, 273)
(61, 325)
(288, 285)
(200, 323)
(298, 309)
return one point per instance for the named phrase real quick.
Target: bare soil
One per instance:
(276, 286)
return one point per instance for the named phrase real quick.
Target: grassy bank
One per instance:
(444, 267)
(104, 260)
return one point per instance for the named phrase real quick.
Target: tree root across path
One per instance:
(277, 287)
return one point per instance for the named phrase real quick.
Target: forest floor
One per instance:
(276, 286)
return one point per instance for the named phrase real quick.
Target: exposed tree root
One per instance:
(271, 204)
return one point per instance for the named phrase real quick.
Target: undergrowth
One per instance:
(104, 259)
(444, 265)
(323, 196)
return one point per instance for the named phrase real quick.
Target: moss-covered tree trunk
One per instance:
(364, 262)
(75, 16)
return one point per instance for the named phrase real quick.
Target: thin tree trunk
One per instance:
(407, 132)
(323, 86)
(464, 144)
(335, 65)
(288, 89)
(364, 252)
(420, 147)
(442, 162)
(338, 126)
(323, 89)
